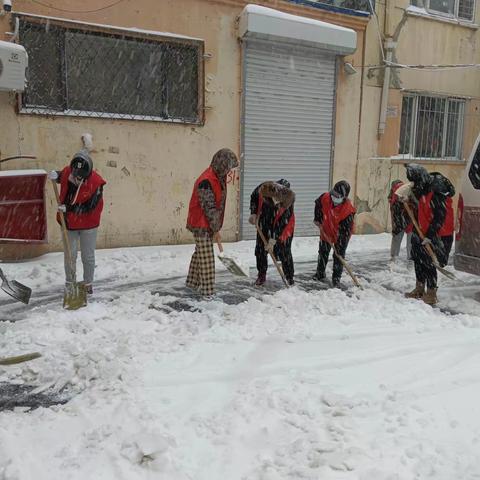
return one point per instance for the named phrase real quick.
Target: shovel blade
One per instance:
(232, 266)
(16, 290)
(75, 296)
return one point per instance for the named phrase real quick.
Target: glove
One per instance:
(62, 208)
(318, 224)
(216, 237)
(252, 219)
(53, 175)
(404, 192)
(271, 244)
(426, 241)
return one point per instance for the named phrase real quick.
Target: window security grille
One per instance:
(92, 73)
(460, 9)
(431, 127)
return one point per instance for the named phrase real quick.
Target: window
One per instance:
(431, 126)
(460, 9)
(77, 72)
(474, 172)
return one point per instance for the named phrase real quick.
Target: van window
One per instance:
(474, 172)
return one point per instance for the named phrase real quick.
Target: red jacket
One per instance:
(425, 215)
(196, 215)
(88, 219)
(332, 216)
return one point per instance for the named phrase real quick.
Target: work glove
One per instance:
(216, 237)
(252, 219)
(271, 244)
(62, 208)
(426, 241)
(404, 192)
(52, 175)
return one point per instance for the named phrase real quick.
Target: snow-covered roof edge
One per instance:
(111, 27)
(259, 20)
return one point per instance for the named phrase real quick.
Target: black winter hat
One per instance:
(342, 188)
(284, 182)
(81, 164)
(418, 174)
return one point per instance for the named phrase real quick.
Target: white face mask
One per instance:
(336, 200)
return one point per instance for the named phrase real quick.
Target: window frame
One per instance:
(127, 34)
(454, 16)
(414, 124)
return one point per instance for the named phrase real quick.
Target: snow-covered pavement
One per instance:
(277, 384)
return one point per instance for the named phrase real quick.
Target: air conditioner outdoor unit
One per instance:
(13, 63)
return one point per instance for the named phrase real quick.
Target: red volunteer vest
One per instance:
(82, 221)
(196, 216)
(289, 228)
(332, 216)
(425, 216)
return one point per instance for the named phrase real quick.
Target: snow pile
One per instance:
(296, 384)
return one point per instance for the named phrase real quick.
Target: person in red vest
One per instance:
(334, 215)
(401, 223)
(432, 192)
(81, 194)
(271, 204)
(205, 219)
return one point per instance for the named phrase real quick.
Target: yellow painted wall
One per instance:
(421, 41)
(147, 194)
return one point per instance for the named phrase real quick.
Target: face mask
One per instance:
(336, 200)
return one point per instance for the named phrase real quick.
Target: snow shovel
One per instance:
(231, 265)
(15, 289)
(275, 261)
(428, 247)
(75, 295)
(347, 267)
(19, 359)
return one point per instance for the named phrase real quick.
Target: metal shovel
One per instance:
(15, 289)
(231, 265)
(75, 295)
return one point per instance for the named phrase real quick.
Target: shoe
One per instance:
(291, 281)
(430, 296)
(417, 292)
(261, 279)
(88, 288)
(319, 276)
(335, 282)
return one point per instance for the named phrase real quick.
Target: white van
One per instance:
(467, 245)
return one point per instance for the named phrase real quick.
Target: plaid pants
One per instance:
(201, 274)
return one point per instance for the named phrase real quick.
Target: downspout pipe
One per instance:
(390, 46)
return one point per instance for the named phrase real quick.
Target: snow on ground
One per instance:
(291, 384)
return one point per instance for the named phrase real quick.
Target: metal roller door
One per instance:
(289, 94)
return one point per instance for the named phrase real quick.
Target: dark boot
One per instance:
(290, 281)
(430, 296)
(89, 288)
(262, 277)
(417, 292)
(319, 276)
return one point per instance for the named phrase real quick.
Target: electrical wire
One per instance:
(77, 11)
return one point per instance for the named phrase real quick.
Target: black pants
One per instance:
(282, 252)
(425, 271)
(323, 253)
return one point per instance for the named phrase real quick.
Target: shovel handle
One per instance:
(19, 359)
(347, 267)
(428, 247)
(269, 250)
(64, 226)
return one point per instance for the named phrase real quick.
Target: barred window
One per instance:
(460, 9)
(431, 126)
(73, 71)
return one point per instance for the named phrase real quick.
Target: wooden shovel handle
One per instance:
(347, 267)
(64, 226)
(275, 262)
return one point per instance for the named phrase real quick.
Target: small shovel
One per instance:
(231, 265)
(75, 295)
(15, 289)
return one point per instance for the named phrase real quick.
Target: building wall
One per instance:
(421, 41)
(150, 167)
